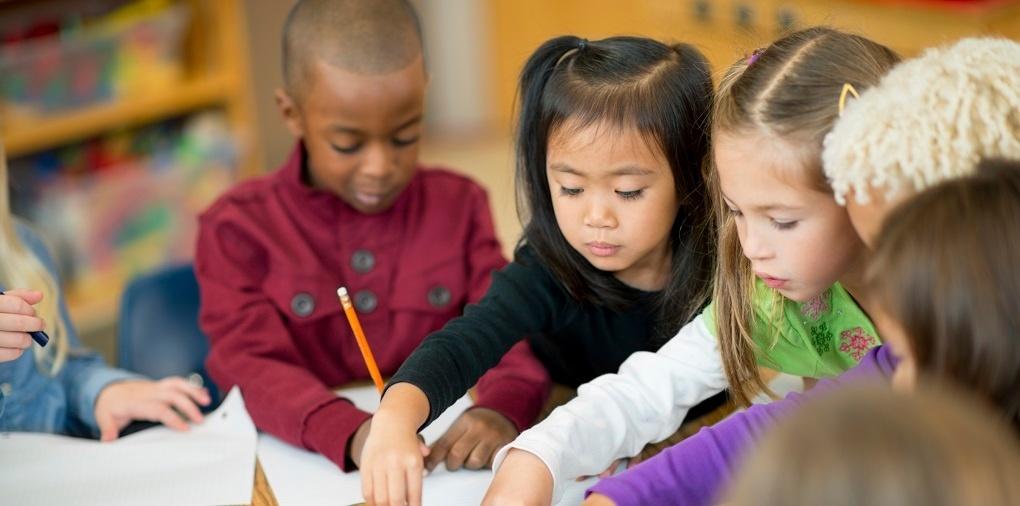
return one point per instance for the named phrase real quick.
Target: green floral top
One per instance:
(818, 338)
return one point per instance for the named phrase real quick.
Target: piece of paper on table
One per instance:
(213, 463)
(302, 478)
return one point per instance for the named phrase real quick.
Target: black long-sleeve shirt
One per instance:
(576, 341)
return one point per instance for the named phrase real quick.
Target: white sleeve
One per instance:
(616, 415)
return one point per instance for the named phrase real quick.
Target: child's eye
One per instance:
(734, 212)
(398, 142)
(570, 192)
(784, 225)
(347, 150)
(630, 195)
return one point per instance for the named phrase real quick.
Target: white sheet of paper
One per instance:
(302, 478)
(213, 463)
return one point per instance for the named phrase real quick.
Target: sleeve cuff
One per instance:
(95, 382)
(329, 427)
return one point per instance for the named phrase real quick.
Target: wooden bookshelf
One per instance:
(216, 75)
(26, 134)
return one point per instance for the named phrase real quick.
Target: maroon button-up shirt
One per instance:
(271, 253)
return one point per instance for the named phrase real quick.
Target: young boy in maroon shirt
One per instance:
(351, 207)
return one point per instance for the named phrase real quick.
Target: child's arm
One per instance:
(613, 416)
(85, 374)
(697, 469)
(250, 346)
(510, 395)
(521, 302)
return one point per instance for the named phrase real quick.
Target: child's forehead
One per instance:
(574, 135)
(768, 159)
(336, 92)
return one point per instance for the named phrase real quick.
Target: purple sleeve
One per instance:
(697, 469)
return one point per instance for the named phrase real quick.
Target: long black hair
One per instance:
(663, 91)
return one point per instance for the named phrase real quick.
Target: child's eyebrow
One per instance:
(354, 131)
(632, 170)
(627, 170)
(764, 207)
(562, 167)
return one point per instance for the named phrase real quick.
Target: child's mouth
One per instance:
(771, 282)
(602, 249)
(368, 199)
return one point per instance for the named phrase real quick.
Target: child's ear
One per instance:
(290, 112)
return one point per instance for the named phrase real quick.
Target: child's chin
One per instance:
(796, 295)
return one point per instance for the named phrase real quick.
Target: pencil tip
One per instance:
(342, 291)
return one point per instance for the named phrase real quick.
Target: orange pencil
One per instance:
(359, 335)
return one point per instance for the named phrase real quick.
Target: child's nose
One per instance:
(755, 246)
(600, 215)
(378, 161)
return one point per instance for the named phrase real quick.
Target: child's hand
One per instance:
(17, 319)
(172, 401)
(472, 441)
(392, 463)
(523, 480)
(598, 500)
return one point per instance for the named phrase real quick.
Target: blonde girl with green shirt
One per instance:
(789, 288)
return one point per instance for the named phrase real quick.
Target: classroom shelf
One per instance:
(27, 134)
(214, 56)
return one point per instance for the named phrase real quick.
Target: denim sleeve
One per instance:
(85, 374)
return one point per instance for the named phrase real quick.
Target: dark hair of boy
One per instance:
(386, 37)
(946, 271)
(627, 82)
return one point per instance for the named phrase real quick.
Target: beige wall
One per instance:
(265, 23)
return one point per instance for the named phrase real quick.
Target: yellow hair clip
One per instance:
(847, 88)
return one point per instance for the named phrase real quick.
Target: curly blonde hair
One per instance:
(929, 119)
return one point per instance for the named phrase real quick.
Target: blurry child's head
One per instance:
(881, 448)
(777, 218)
(945, 272)
(612, 138)
(355, 94)
(929, 119)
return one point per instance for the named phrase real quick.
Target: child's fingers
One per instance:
(15, 322)
(460, 451)
(8, 354)
(480, 456)
(159, 412)
(186, 407)
(366, 483)
(381, 487)
(414, 479)
(29, 297)
(441, 448)
(107, 426)
(17, 340)
(198, 394)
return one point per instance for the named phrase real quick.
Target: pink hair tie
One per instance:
(754, 56)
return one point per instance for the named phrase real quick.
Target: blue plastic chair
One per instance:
(159, 334)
